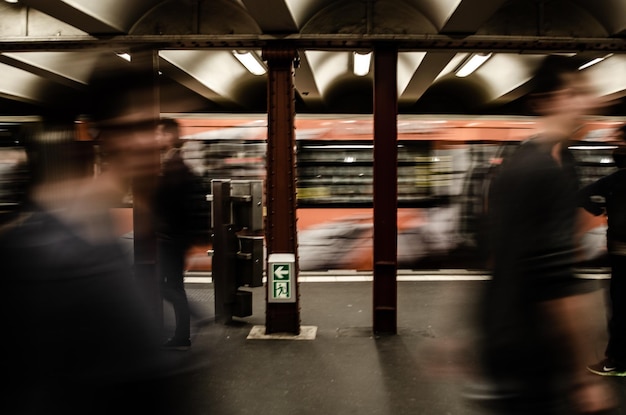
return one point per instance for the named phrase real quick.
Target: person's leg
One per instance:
(171, 265)
(616, 348)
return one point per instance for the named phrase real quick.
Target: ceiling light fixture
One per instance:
(124, 56)
(250, 61)
(472, 64)
(361, 65)
(593, 62)
(11, 1)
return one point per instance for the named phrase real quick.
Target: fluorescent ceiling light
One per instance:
(591, 147)
(343, 146)
(124, 56)
(362, 63)
(593, 62)
(250, 61)
(472, 64)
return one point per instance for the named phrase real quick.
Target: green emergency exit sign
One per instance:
(281, 279)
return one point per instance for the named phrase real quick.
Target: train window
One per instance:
(594, 160)
(13, 174)
(340, 173)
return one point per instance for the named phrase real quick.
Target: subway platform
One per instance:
(345, 368)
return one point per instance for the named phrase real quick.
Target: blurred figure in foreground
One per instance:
(534, 348)
(173, 213)
(607, 196)
(79, 337)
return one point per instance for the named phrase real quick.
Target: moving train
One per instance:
(444, 164)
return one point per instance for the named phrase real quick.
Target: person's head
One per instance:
(123, 116)
(562, 93)
(168, 133)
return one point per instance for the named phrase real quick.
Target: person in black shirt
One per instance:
(608, 196)
(84, 338)
(533, 346)
(172, 210)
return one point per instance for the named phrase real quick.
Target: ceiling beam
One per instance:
(200, 71)
(429, 68)
(189, 82)
(305, 84)
(25, 86)
(40, 68)
(423, 42)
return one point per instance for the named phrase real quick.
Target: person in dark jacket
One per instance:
(533, 346)
(172, 199)
(607, 196)
(85, 340)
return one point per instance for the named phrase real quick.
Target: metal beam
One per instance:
(416, 42)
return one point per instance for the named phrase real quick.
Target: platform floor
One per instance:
(345, 369)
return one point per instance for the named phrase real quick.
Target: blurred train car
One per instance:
(444, 165)
(12, 163)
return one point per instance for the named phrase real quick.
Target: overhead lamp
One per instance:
(361, 65)
(124, 56)
(11, 1)
(592, 147)
(250, 61)
(472, 64)
(593, 62)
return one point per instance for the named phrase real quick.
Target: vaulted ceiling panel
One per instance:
(96, 17)
(273, 16)
(71, 68)
(27, 87)
(610, 76)
(175, 17)
(610, 13)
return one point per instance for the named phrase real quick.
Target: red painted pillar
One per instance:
(280, 229)
(385, 190)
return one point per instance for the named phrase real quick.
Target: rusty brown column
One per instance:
(385, 190)
(280, 229)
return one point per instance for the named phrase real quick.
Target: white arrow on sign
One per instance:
(281, 273)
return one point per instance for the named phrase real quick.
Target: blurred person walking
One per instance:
(534, 348)
(172, 209)
(82, 337)
(607, 196)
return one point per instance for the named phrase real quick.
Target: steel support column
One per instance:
(385, 190)
(280, 229)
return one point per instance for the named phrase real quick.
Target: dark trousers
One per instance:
(616, 348)
(171, 265)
